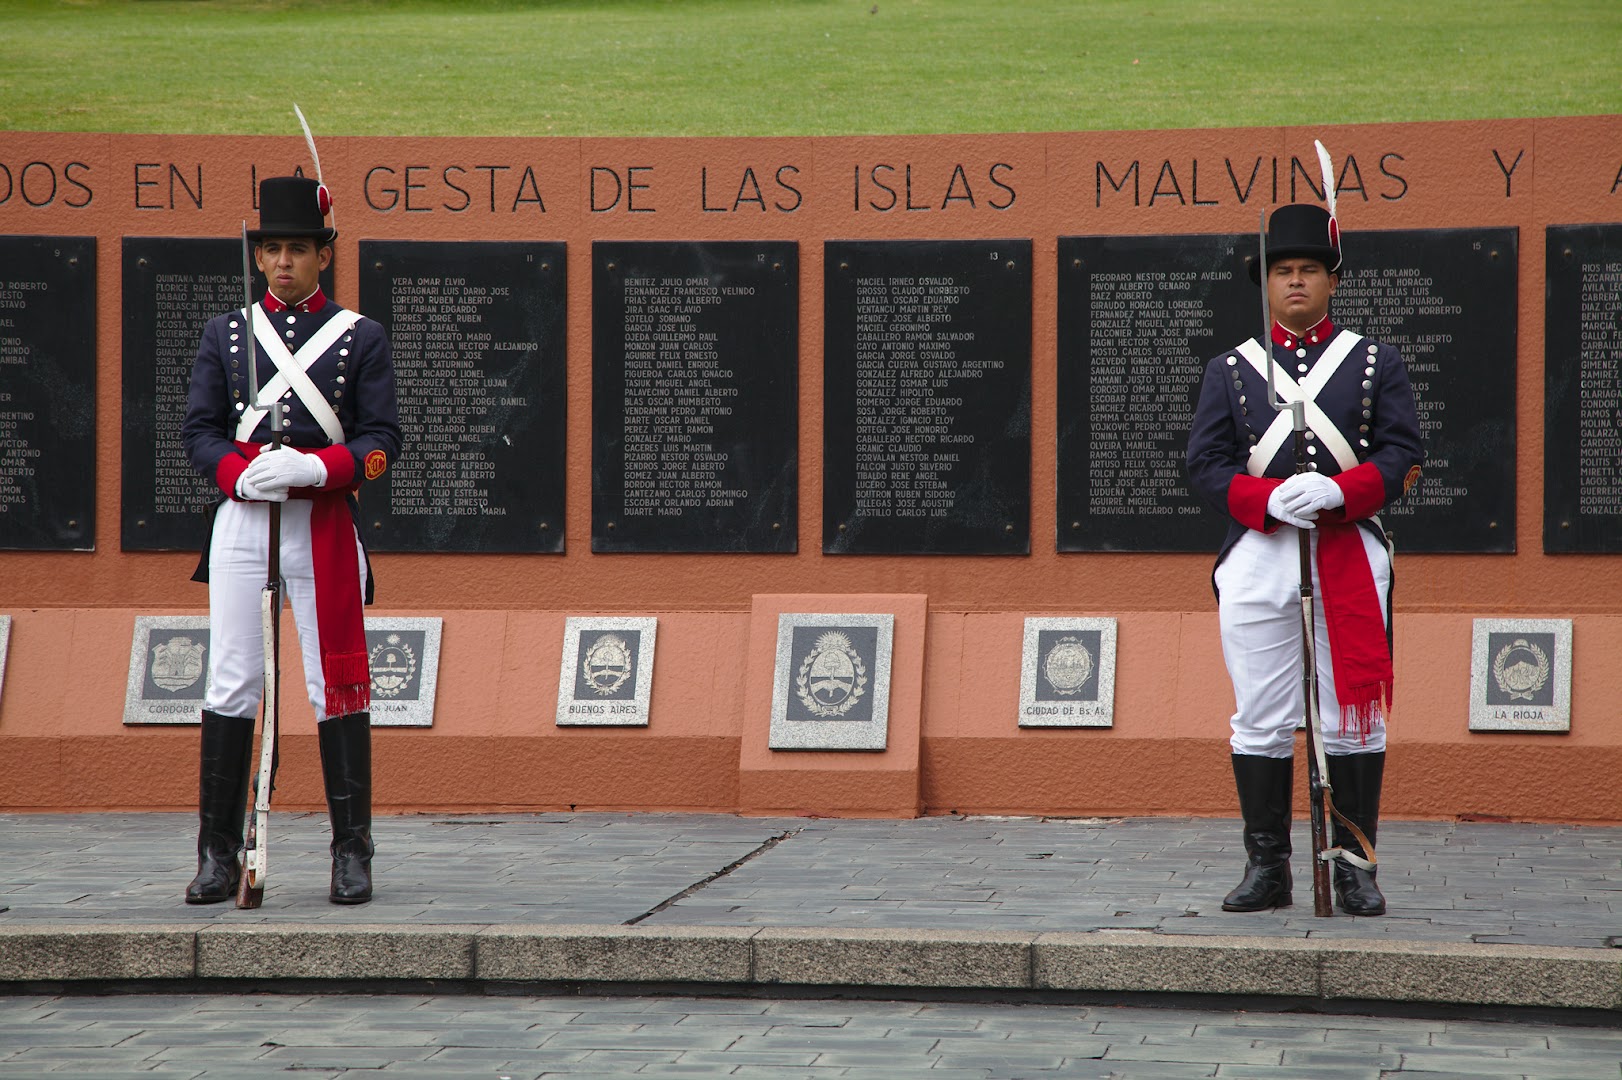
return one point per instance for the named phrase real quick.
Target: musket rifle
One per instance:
(1323, 902)
(251, 889)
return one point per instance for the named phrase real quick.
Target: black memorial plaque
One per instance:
(1138, 318)
(1446, 298)
(695, 377)
(927, 397)
(172, 286)
(1582, 399)
(478, 335)
(48, 393)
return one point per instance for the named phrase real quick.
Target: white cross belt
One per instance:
(291, 371)
(1307, 390)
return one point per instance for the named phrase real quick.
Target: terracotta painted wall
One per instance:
(493, 744)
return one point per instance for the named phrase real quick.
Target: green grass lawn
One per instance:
(794, 67)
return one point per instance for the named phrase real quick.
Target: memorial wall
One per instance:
(632, 371)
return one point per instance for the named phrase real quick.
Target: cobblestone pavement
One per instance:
(1446, 882)
(1456, 885)
(522, 1038)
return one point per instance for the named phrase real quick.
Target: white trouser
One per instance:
(237, 561)
(1259, 606)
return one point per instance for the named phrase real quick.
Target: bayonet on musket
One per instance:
(1323, 901)
(251, 889)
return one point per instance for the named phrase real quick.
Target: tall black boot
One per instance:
(346, 766)
(1356, 780)
(1264, 798)
(222, 800)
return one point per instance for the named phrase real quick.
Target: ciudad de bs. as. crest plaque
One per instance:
(1067, 673)
(1520, 675)
(168, 670)
(831, 682)
(606, 678)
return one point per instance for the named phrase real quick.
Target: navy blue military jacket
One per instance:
(355, 375)
(1367, 400)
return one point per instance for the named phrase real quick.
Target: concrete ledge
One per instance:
(1398, 971)
(940, 958)
(1170, 964)
(315, 951)
(614, 953)
(1553, 977)
(46, 952)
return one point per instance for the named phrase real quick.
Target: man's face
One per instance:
(1299, 290)
(292, 265)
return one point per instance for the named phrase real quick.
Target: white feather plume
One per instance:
(315, 157)
(309, 140)
(1326, 166)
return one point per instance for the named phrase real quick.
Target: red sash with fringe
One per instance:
(1359, 651)
(339, 615)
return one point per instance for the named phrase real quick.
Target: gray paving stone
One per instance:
(1289, 1071)
(44, 951)
(319, 951)
(627, 953)
(1146, 962)
(750, 1051)
(875, 958)
(1487, 975)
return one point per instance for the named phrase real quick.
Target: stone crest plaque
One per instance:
(168, 670)
(831, 684)
(607, 673)
(1067, 673)
(1520, 675)
(403, 655)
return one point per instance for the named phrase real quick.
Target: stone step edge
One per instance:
(1408, 971)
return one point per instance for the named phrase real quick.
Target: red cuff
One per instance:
(340, 465)
(229, 471)
(1247, 501)
(1364, 489)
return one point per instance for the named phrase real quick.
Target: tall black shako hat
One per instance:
(1301, 231)
(293, 206)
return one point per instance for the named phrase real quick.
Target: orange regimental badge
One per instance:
(376, 462)
(1408, 481)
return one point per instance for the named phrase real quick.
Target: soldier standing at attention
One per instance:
(1363, 451)
(333, 371)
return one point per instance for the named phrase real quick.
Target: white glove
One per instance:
(283, 468)
(252, 492)
(1305, 494)
(1278, 510)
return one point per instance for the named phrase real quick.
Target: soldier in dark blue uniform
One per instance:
(1363, 451)
(333, 371)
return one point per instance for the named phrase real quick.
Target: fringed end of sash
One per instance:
(1363, 708)
(349, 683)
